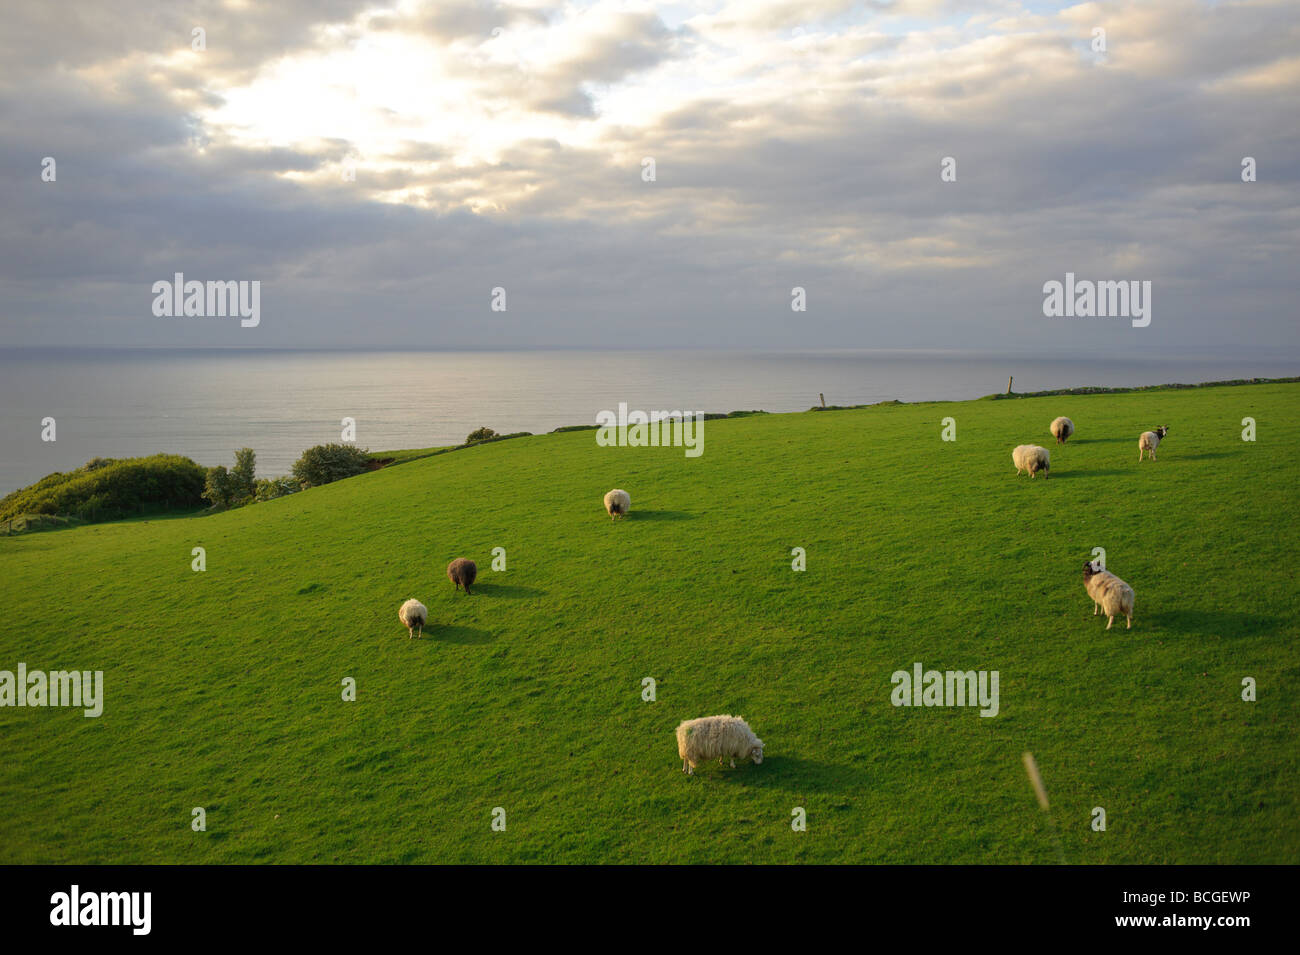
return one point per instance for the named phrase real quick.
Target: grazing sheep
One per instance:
(617, 503)
(413, 614)
(716, 737)
(462, 572)
(1032, 458)
(1109, 594)
(1061, 430)
(1150, 440)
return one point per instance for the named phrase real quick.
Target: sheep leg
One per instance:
(1095, 609)
(733, 764)
(1110, 618)
(1130, 622)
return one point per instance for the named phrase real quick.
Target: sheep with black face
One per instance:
(1109, 594)
(462, 572)
(1150, 440)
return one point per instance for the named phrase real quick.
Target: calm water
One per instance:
(207, 404)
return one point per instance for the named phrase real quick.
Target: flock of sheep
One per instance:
(414, 615)
(729, 738)
(722, 738)
(1109, 594)
(1033, 458)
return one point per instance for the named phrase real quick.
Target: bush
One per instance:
(482, 434)
(106, 488)
(330, 462)
(218, 488)
(268, 489)
(243, 477)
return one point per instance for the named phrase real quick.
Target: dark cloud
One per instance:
(818, 169)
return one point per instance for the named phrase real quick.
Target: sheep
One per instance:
(413, 614)
(1032, 458)
(1109, 594)
(1150, 440)
(617, 503)
(716, 737)
(462, 572)
(1061, 430)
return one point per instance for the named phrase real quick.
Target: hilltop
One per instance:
(223, 687)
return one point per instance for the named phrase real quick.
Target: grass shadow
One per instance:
(1214, 623)
(463, 635)
(507, 591)
(1204, 455)
(791, 774)
(1083, 472)
(661, 515)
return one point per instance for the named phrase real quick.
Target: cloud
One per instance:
(382, 169)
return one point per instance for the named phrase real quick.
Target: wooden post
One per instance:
(823, 398)
(1009, 378)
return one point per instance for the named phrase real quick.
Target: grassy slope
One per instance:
(223, 688)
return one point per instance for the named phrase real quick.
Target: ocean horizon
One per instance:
(206, 403)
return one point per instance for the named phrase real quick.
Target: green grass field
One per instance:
(223, 688)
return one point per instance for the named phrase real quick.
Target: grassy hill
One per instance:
(223, 687)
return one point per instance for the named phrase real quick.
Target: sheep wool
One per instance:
(1061, 430)
(462, 572)
(413, 615)
(716, 737)
(1032, 458)
(1150, 440)
(1109, 594)
(617, 503)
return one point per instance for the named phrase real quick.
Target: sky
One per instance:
(381, 168)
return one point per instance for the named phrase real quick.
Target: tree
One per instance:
(330, 462)
(482, 434)
(217, 488)
(243, 480)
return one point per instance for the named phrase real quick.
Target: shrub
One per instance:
(330, 462)
(268, 489)
(218, 488)
(482, 434)
(105, 489)
(243, 477)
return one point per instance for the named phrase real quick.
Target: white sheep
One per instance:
(1032, 458)
(617, 503)
(1150, 440)
(1061, 430)
(413, 614)
(716, 737)
(1109, 594)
